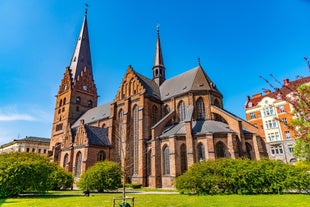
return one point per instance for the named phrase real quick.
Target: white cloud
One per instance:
(16, 117)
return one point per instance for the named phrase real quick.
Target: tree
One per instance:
(104, 175)
(299, 97)
(25, 172)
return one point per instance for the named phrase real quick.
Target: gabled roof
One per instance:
(150, 86)
(81, 57)
(198, 127)
(191, 80)
(94, 114)
(97, 136)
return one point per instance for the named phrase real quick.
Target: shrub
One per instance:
(102, 176)
(60, 179)
(24, 172)
(242, 176)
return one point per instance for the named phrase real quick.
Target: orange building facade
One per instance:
(270, 113)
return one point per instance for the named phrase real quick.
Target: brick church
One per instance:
(156, 128)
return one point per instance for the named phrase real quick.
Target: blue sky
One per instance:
(237, 41)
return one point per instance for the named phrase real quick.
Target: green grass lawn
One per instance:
(73, 199)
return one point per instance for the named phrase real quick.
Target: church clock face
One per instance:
(85, 88)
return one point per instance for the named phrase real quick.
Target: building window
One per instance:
(44, 151)
(271, 124)
(166, 110)
(60, 104)
(119, 136)
(27, 150)
(136, 139)
(64, 101)
(281, 109)
(78, 100)
(101, 156)
(183, 158)
(287, 134)
(59, 127)
(154, 115)
(66, 160)
(201, 152)
(268, 111)
(182, 111)
(78, 164)
(284, 121)
(220, 150)
(39, 151)
(273, 136)
(89, 103)
(276, 150)
(166, 160)
(200, 106)
(252, 115)
(290, 148)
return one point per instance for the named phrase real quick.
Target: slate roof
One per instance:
(33, 139)
(198, 127)
(183, 83)
(97, 136)
(151, 87)
(94, 114)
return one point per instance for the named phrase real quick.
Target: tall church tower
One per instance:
(77, 92)
(159, 73)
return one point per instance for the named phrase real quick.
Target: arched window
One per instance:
(201, 152)
(66, 160)
(181, 109)
(183, 158)
(166, 161)
(60, 103)
(101, 156)
(136, 139)
(248, 150)
(154, 114)
(166, 110)
(78, 100)
(119, 137)
(200, 108)
(220, 150)
(78, 164)
(64, 101)
(90, 103)
(216, 103)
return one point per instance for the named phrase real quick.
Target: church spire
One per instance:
(81, 57)
(158, 68)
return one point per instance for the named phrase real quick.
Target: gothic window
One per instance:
(216, 103)
(78, 100)
(64, 101)
(101, 156)
(136, 138)
(120, 135)
(201, 152)
(248, 150)
(200, 107)
(60, 103)
(78, 164)
(181, 109)
(166, 110)
(154, 114)
(166, 161)
(183, 158)
(220, 150)
(89, 103)
(149, 162)
(66, 160)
